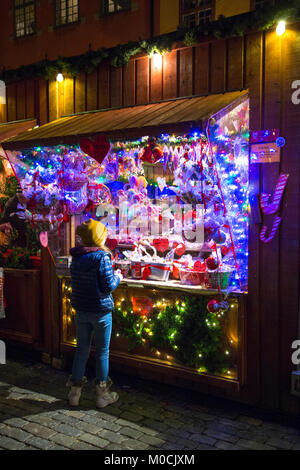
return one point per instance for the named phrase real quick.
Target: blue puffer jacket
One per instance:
(93, 280)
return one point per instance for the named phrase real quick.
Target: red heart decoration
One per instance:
(86, 146)
(97, 149)
(111, 243)
(161, 244)
(199, 266)
(180, 250)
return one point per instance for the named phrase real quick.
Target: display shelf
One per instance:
(170, 285)
(176, 285)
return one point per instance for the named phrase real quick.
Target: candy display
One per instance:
(190, 228)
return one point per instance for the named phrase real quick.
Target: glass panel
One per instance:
(189, 4)
(204, 16)
(189, 20)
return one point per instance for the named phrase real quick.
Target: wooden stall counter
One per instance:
(164, 331)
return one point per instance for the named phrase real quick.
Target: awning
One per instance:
(174, 116)
(12, 129)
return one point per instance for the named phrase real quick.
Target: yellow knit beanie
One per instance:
(92, 233)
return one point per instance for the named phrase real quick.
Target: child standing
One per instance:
(92, 281)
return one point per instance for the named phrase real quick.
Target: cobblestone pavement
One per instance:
(34, 414)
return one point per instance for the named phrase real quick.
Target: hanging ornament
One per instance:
(214, 306)
(211, 263)
(97, 148)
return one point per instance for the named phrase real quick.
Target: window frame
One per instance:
(253, 4)
(68, 23)
(107, 13)
(196, 10)
(25, 35)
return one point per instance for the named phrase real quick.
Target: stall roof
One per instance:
(174, 116)
(12, 129)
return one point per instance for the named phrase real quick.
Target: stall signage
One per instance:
(267, 152)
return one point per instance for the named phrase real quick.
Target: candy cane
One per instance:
(273, 231)
(273, 206)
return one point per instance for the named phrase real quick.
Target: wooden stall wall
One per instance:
(266, 65)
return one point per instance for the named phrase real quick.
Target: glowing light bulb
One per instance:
(280, 29)
(59, 77)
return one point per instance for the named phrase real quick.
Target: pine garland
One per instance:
(261, 19)
(185, 329)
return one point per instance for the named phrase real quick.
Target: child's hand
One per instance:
(118, 273)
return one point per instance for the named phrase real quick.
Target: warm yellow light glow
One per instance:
(157, 59)
(59, 77)
(280, 28)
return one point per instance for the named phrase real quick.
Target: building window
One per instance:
(113, 6)
(66, 12)
(24, 11)
(196, 12)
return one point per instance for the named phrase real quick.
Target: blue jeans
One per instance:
(86, 325)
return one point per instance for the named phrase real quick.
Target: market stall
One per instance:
(171, 183)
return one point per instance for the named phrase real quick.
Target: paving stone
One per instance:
(205, 447)
(250, 420)
(161, 427)
(14, 433)
(152, 440)
(66, 441)
(143, 429)
(111, 426)
(203, 439)
(94, 440)
(75, 414)
(279, 443)
(68, 430)
(39, 430)
(11, 444)
(57, 447)
(253, 445)
(227, 446)
(16, 422)
(221, 435)
(112, 437)
(133, 444)
(252, 436)
(88, 427)
(130, 432)
(131, 417)
(83, 446)
(39, 443)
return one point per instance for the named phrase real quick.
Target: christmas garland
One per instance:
(186, 330)
(261, 19)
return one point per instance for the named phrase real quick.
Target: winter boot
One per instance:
(75, 392)
(103, 396)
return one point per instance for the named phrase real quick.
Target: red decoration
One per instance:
(180, 250)
(199, 266)
(211, 263)
(97, 149)
(142, 306)
(161, 244)
(213, 306)
(111, 243)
